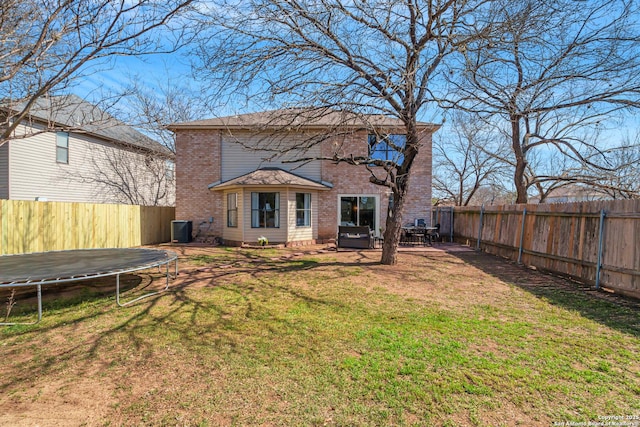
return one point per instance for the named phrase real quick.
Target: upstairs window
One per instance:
(381, 147)
(170, 169)
(62, 147)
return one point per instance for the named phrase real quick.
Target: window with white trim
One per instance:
(170, 169)
(265, 210)
(62, 147)
(232, 210)
(303, 209)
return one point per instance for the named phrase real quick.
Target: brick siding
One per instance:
(198, 165)
(418, 200)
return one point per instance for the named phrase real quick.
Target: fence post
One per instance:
(600, 243)
(480, 227)
(524, 216)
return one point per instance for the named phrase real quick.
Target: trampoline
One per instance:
(46, 268)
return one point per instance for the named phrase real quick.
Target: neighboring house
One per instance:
(234, 178)
(569, 194)
(69, 150)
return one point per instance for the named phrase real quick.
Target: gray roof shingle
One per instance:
(74, 113)
(297, 118)
(271, 177)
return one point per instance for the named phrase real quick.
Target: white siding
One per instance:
(287, 232)
(302, 233)
(4, 170)
(273, 234)
(238, 160)
(34, 172)
(234, 233)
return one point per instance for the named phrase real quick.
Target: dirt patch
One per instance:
(75, 384)
(59, 402)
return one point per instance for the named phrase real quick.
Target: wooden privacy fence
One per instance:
(595, 242)
(29, 226)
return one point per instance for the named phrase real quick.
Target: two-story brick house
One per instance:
(236, 174)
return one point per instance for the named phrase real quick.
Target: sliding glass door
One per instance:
(359, 210)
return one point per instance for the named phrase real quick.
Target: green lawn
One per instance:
(276, 338)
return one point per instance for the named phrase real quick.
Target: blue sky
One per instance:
(153, 71)
(121, 71)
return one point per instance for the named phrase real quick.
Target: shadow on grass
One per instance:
(614, 311)
(95, 323)
(252, 262)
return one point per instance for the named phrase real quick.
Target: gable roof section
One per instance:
(70, 112)
(271, 177)
(298, 119)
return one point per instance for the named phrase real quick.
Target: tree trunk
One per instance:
(393, 229)
(399, 187)
(518, 179)
(521, 161)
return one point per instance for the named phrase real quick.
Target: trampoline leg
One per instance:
(168, 277)
(39, 293)
(39, 303)
(142, 296)
(118, 290)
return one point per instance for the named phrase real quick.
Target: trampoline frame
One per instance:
(171, 256)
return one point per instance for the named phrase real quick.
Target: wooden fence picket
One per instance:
(34, 226)
(562, 238)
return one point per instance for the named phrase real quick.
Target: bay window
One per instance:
(303, 210)
(232, 210)
(265, 210)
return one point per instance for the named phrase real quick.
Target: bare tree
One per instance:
(152, 110)
(355, 57)
(552, 72)
(617, 179)
(47, 44)
(622, 180)
(143, 175)
(547, 173)
(465, 161)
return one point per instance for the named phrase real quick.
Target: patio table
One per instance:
(416, 234)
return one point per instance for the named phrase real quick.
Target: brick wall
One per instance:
(346, 179)
(418, 202)
(197, 166)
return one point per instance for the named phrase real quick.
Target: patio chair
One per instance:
(433, 235)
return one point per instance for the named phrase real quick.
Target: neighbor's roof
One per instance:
(74, 113)
(298, 118)
(271, 177)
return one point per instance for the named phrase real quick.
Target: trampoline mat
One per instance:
(45, 266)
